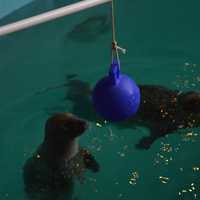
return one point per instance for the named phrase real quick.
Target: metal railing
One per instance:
(49, 16)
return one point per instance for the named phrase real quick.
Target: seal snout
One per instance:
(81, 125)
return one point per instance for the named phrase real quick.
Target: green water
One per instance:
(161, 38)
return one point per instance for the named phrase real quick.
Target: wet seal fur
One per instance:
(162, 110)
(51, 171)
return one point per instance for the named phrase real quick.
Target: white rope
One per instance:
(115, 47)
(49, 16)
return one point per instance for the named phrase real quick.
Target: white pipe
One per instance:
(49, 16)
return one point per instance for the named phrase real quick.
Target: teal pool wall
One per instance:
(8, 6)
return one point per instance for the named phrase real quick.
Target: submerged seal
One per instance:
(51, 171)
(164, 111)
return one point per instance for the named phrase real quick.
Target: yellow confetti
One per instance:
(98, 125)
(164, 179)
(195, 168)
(166, 148)
(161, 156)
(189, 134)
(134, 177)
(38, 156)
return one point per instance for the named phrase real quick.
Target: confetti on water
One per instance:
(190, 190)
(195, 168)
(188, 80)
(99, 125)
(38, 156)
(134, 178)
(164, 179)
(166, 148)
(164, 156)
(190, 137)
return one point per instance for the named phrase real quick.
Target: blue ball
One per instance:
(116, 97)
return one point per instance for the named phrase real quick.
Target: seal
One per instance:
(51, 171)
(162, 110)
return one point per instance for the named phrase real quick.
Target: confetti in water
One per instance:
(190, 137)
(195, 168)
(187, 79)
(166, 148)
(38, 156)
(191, 191)
(164, 156)
(134, 178)
(99, 125)
(164, 179)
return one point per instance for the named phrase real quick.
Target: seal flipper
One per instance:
(157, 130)
(145, 142)
(90, 161)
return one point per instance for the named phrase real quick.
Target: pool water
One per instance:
(48, 69)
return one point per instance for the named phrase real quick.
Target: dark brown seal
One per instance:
(164, 111)
(50, 172)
